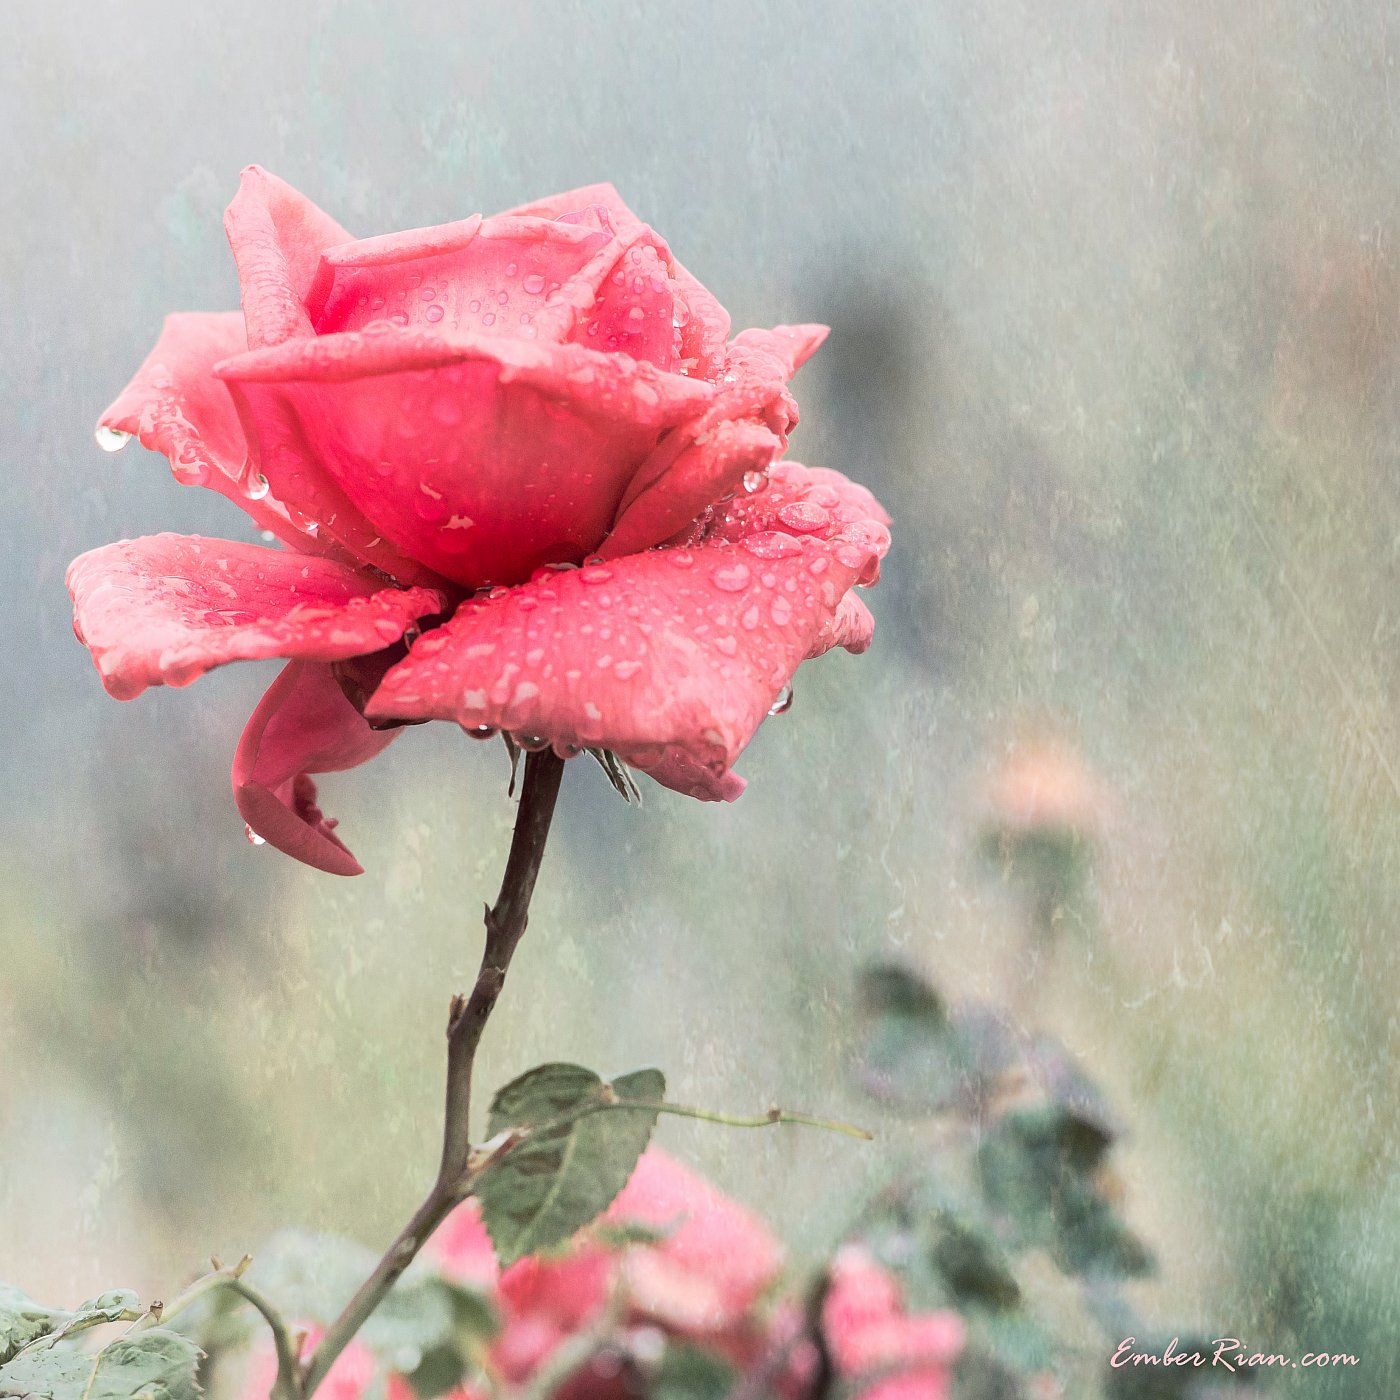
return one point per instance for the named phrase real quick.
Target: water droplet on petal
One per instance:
(433, 313)
(251, 835)
(479, 731)
(783, 703)
(258, 487)
(112, 439)
(534, 284)
(755, 481)
(532, 743)
(731, 578)
(594, 574)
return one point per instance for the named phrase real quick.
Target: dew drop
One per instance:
(783, 703)
(480, 731)
(732, 578)
(755, 481)
(534, 284)
(532, 743)
(593, 574)
(252, 836)
(433, 313)
(258, 487)
(111, 439)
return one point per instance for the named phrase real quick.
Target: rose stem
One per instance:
(505, 924)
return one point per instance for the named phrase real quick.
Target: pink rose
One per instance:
(869, 1334)
(700, 1281)
(439, 426)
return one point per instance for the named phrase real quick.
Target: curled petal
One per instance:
(164, 609)
(703, 470)
(740, 435)
(303, 725)
(496, 277)
(703, 324)
(671, 658)
(174, 405)
(481, 457)
(277, 236)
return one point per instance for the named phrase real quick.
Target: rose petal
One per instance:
(742, 433)
(486, 277)
(303, 725)
(712, 1238)
(703, 469)
(283, 456)
(164, 609)
(482, 457)
(676, 652)
(277, 236)
(174, 405)
(705, 326)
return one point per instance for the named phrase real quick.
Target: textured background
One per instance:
(1114, 292)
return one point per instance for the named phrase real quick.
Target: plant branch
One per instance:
(467, 1017)
(505, 924)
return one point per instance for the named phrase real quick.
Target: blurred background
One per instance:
(1113, 291)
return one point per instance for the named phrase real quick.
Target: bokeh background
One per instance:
(1113, 289)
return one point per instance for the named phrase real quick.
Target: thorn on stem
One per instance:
(455, 1009)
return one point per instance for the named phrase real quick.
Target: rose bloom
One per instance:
(907, 1356)
(700, 1281)
(522, 479)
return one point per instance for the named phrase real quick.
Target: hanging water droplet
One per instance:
(111, 439)
(253, 836)
(480, 731)
(755, 481)
(784, 701)
(532, 743)
(258, 486)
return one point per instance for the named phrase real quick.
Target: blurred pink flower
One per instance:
(1044, 787)
(700, 1281)
(868, 1333)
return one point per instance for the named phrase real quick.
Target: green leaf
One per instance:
(1040, 1167)
(578, 1147)
(22, 1320)
(154, 1365)
(919, 1056)
(973, 1264)
(687, 1373)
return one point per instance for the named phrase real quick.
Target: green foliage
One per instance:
(424, 1329)
(687, 1373)
(22, 1320)
(37, 1357)
(1040, 1167)
(154, 1365)
(919, 1057)
(573, 1142)
(1021, 1179)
